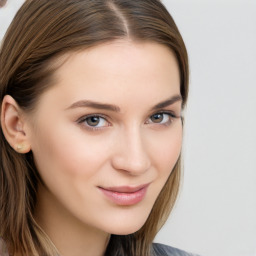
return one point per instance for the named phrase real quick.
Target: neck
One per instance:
(71, 236)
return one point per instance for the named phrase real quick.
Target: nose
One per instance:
(131, 153)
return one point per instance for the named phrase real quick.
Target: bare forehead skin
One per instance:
(124, 53)
(115, 63)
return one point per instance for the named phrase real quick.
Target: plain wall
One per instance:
(215, 214)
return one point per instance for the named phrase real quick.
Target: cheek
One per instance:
(68, 151)
(166, 150)
(69, 163)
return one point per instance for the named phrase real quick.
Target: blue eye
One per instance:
(94, 121)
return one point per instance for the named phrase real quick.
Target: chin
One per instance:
(126, 226)
(125, 230)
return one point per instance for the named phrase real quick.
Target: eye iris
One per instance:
(93, 120)
(157, 118)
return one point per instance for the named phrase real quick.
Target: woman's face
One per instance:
(107, 135)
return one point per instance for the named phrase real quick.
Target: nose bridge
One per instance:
(132, 153)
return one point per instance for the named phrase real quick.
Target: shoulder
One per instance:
(165, 250)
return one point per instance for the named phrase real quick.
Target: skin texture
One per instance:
(128, 147)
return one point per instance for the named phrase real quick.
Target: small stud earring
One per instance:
(19, 147)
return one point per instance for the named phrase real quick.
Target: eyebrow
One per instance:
(168, 102)
(94, 104)
(114, 108)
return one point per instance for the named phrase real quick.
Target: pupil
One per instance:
(157, 118)
(93, 121)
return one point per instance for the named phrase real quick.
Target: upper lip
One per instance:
(125, 189)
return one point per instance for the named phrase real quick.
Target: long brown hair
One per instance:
(42, 31)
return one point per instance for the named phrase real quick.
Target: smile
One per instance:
(125, 195)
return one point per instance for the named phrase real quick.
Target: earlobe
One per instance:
(12, 122)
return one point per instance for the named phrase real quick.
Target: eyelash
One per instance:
(171, 116)
(83, 119)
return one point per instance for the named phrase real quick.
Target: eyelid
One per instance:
(170, 113)
(82, 120)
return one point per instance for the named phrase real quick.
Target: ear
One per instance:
(13, 125)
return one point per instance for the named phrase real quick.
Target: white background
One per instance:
(216, 212)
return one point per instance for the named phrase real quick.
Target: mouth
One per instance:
(125, 195)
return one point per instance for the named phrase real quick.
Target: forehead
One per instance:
(107, 71)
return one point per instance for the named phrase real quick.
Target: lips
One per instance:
(125, 195)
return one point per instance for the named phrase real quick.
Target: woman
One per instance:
(92, 94)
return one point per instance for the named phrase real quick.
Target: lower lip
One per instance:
(121, 198)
